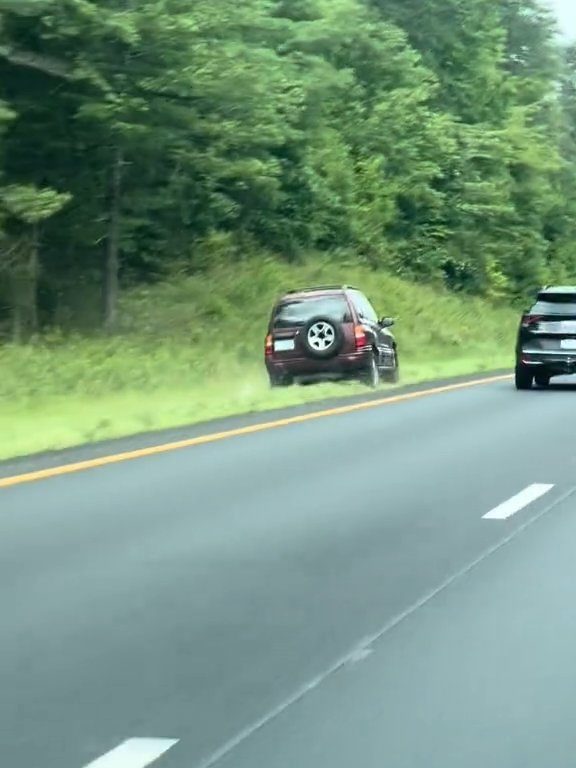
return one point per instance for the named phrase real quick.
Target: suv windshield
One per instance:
(292, 314)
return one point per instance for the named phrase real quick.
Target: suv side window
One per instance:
(365, 310)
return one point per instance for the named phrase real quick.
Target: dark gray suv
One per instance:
(546, 343)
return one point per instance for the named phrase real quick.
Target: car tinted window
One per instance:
(562, 297)
(566, 307)
(363, 307)
(296, 313)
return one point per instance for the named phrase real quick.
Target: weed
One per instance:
(191, 350)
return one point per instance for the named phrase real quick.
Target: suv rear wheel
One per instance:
(523, 377)
(371, 376)
(280, 381)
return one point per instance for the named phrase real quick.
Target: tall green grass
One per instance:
(191, 350)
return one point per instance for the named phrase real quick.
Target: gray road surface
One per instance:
(334, 583)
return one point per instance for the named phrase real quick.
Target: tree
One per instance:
(434, 139)
(463, 43)
(25, 208)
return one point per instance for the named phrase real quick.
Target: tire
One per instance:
(371, 375)
(279, 381)
(543, 379)
(392, 375)
(523, 377)
(322, 338)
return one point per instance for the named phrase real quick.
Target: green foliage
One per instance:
(31, 205)
(68, 390)
(434, 139)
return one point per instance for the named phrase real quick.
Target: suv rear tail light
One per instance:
(268, 346)
(528, 321)
(360, 337)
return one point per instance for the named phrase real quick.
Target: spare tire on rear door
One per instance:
(322, 337)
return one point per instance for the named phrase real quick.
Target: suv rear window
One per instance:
(555, 304)
(293, 314)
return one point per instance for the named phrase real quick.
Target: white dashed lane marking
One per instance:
(134, 753)
(520, 501)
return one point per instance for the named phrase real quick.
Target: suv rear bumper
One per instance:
(557, 363)
(307, 367)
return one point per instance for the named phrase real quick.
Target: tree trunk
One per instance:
(17, 310)
(24, 289)
(112, 263)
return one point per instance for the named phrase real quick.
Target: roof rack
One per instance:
(559, 288)
(325, 288)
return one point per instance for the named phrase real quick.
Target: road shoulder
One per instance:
(150, 440)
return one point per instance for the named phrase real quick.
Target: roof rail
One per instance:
(559, 288)
(325, 288)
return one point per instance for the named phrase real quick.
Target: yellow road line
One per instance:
(155, 450)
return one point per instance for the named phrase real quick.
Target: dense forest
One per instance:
(433, 139)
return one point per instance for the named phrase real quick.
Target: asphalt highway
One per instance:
(391, 587)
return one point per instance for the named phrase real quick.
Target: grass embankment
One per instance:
(191, 350)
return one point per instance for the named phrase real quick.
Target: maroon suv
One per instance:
(329, 332)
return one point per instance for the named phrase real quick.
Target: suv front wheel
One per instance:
(523, 377)
(392, 375)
